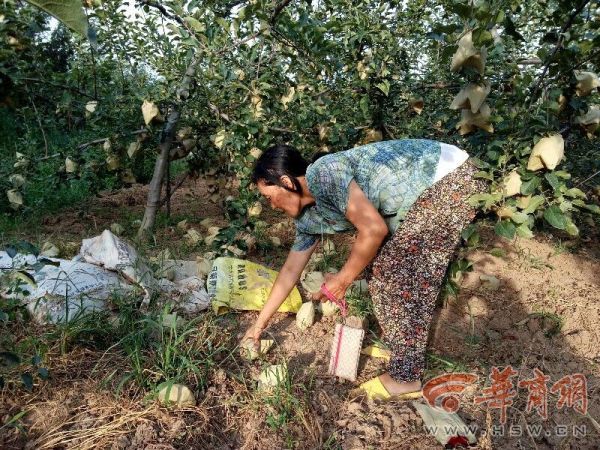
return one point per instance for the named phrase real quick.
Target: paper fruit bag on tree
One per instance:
(238, 284)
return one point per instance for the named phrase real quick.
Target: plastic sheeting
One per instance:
(106, 266)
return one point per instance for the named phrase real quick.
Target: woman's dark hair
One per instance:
(277, 161)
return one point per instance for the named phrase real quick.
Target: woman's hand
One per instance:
(253, 334)
(336, 284)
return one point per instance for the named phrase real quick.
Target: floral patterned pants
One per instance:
(406, 276)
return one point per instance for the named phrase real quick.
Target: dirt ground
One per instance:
(543, 283)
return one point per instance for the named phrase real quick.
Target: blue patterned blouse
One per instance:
(392, 174)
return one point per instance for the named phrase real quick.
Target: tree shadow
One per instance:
(530, 321)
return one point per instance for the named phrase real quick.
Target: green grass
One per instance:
(283, 405)
(552, 323)
(438, 364)
(335, 259)
(160, 348)
(359, 304)
(529, 261)
(332, 443)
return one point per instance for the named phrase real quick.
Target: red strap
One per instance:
(341, 303)
(337, 350)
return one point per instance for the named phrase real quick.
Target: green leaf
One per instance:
(553, 180)
(27, 380)
(505, 228)
(195, 24)
(364, 105)
(593, 208)
(174, 28)
(468, 231)
(565, 205)
(485, 175)
(572, 229)
(223, 23)
(524, 231)
(475, 199)
(27, 247)
(529, 187)
(498, 252)
(384, 87)
(575, 192)
(482, 37)
(463, 10)
(24, 277)
(68, 12)
(480, 164)
(534, 203)
(555, 217)
(9, 359)
(519, 217)
(470, 235)
(43, 373)
(511, 29)
(488, 199)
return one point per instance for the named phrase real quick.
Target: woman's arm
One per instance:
(371, 231)
(284, 283)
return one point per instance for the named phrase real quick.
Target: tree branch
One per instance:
(589, 58)
(39, 121)
(102, 140)
(565, 27)
(278, 10)
(63, 86)
(439, 85)
(227, 119)
(530, 62)
(164, 11)
(180, 21)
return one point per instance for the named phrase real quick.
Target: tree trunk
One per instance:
(167, 137)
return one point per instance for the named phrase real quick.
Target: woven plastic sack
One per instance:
(113, 253)
(243, 285)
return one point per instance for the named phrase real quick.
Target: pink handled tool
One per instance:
(341, 303)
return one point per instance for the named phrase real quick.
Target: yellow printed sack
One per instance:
(238, 284)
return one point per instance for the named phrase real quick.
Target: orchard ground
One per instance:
(545, 314)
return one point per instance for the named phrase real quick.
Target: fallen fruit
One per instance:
(305, 316)
(49, 250)
(178, 394)
(312, 282)
(328, 308)
(117, 228)
(272, 376)
(249, 352)
(192, 236)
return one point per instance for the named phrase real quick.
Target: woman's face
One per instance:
(281, 199)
